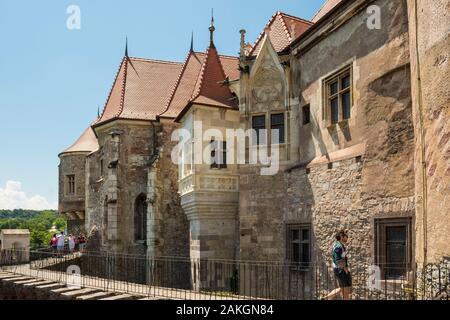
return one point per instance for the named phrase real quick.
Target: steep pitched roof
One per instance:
(327, 7)
(87, 142)
(283, 30)
(192, 78)
(208, 89)
(140, 90)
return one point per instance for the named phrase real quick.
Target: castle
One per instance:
(358, 116)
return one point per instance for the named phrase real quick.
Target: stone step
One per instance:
(62, 290)
(39, 283)
(95, 296)
(79, 292)
(120, 297)
(51, 286)
(17, 279)
(28, 281)
(8, 276)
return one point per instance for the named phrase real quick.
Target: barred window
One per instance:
(393, 247)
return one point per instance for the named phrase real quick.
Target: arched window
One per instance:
(140, 218)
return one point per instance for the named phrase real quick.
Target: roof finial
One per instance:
(212, 29)
(242, 44)
(192, 42)
(126, 46)
(98, 111)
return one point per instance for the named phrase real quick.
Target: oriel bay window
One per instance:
(338, 96)
(277, 124)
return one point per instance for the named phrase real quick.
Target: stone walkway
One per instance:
(95, 288)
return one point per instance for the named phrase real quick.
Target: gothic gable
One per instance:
(267, 81)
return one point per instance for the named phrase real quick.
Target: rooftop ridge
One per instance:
(155, 60)
(124, 84)
(282, 16)
(177, 83)
(296, 18)
(200, 76)
(110, 92)
(286, 29)
(268, 24)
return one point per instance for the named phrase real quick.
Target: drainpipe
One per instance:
(422, 140)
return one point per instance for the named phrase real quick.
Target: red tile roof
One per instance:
(327, 7)
(208, 89)
(144, 89)
(87, 142)
(189, 81)
(140, 90)
(283, 30)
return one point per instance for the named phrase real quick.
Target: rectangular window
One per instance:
(306, 114)
(258, 124)
(101, 168)
(393, 247)
(338, 100)
(299, 245)
(70, 184)
(218, 154)
(277, 123)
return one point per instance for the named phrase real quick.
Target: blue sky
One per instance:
(52, 79)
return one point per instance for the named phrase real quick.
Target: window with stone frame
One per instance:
(277, 123)
(338, 98)
(298, 245)
(393, 247)
(218, 154)
(306, 114)
(102, 168)
(70, 184)
(258, 126)
(140, 219)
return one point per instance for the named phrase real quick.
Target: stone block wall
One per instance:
(429, 25)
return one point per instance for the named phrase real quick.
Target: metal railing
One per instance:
(185, 278)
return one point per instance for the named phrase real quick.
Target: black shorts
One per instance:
(344, 279)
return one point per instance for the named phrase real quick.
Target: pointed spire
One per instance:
(126, 47)
(98, 111)
(192, 42)
(211, 30)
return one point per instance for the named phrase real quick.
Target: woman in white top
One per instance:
(71, 243)
(60, 242)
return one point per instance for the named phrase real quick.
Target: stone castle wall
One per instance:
(429, 26)
(359, 170)
(72, 164)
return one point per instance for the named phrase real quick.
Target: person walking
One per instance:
(53, 242)
(60, 243)
(340, 267)
(82, 242)
(71, 243)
